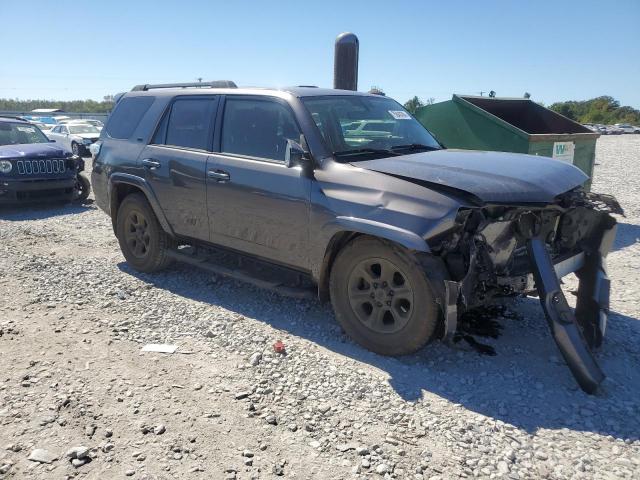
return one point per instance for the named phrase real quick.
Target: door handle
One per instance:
(150, 163)
(219, 175)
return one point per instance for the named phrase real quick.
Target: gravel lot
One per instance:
(73, 319)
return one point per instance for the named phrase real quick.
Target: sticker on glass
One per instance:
(400, 115)
(27, 129)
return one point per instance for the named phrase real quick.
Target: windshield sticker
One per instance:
(400, 115)
(27, 129)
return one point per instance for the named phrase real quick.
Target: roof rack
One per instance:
(214, 84)
(14, 117)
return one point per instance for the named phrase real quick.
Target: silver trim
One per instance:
(44, 167)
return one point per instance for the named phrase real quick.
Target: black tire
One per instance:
(75, 148)
(414, 323)
(143, 242)
(82, 189)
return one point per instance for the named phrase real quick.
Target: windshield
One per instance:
(83, 129)
(357, 126)
(16, 133)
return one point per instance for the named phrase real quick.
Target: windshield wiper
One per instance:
(360, 151)
(413, 146)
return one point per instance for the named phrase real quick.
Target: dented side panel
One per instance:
(346, 198)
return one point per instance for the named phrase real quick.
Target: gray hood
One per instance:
(493, 177)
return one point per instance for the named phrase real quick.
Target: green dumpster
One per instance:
(510, 125)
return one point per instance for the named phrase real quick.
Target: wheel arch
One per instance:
(345, 229)
(121, 185)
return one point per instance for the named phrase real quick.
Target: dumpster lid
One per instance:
(524, 114)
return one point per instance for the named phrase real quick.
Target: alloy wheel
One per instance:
(136, 234)
(380, 295)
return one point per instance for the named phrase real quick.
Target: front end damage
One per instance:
(507, 250)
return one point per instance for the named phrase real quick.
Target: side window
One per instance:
(189, 123)
(55, 130)
(257, 128)
(64, 130)
(126, 116)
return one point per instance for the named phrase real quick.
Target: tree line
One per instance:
(606, 110)
(84, 106)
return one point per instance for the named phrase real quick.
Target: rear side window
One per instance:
(258, 128)
(127, 115)
(190, 121)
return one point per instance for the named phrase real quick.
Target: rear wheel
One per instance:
(142, 240)
(382, 298)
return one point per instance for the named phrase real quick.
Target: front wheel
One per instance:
(75, 148)
(144, 244)
(82, 189)
(382, 298)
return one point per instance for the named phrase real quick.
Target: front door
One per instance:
(256, 204)
(176, 160)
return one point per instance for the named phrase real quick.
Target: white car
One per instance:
(84, 121)
(627, 128)
(76, 137)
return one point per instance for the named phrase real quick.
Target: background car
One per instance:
(34, 169)
(77, 137)
(626, 127)
(86, 121)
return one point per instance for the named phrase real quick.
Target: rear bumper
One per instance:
(24, 191)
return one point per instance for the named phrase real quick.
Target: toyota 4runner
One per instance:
(345, 193)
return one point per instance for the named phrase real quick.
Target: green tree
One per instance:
(413, 105)
(603, 109)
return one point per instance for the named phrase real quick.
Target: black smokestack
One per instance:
(345, 67)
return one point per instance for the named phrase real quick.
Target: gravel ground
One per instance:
(78, 398)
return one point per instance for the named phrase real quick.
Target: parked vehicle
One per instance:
(83, 121)
(627, 128)
(45, 127)
(42, 119)
(96, 123)
(76, 137)
(399, 233)
(613, 130)
(34, 169)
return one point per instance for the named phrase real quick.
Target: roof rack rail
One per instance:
(214, 84)
(14, 117)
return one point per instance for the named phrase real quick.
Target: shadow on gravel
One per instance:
(627, 235)
(526, 384)
(40, 211)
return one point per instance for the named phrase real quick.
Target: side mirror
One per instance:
(51, 140)
(294, 154)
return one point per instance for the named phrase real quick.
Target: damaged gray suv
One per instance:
(346, 195)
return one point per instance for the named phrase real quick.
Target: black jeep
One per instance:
(33, 169)
(348, 194)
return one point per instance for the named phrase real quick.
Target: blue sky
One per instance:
(557, 50)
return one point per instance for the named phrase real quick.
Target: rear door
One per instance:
(175, 163)
(256, 204)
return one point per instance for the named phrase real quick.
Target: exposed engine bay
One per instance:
(500, 250)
